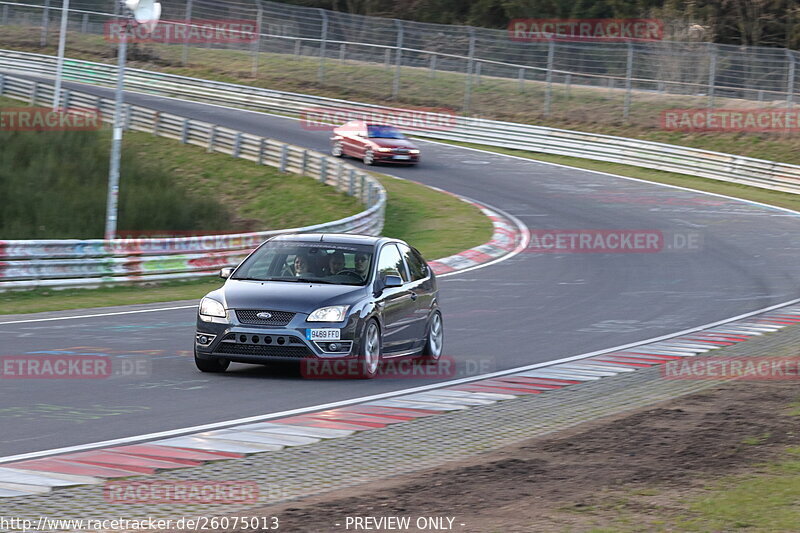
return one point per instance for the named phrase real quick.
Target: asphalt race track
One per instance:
(531, 308)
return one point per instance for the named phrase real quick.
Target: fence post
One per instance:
(398, 60)
(342, 53)
(626, 111)
(284, 157)
(548, 94)
(471, 58)
(790, 79)
(45, 23)
(712, 76)
(323, 45)
(185, 131)
(237, 145)
(261, 149)
(187, 17)
(297, 45)
(433, 65)
(212, 139)
(5, 15)
(323, 169)
(351, 184)
(521, 78)
(85, 23)
(257, 43)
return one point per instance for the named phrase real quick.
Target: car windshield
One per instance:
(308, 262)
(384, 132)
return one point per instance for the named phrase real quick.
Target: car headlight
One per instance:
(334, 313)
(413, 151)
(384, 149)
(212, 308)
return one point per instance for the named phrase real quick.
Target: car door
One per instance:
(396, 304)
(352, 143)
(423, 292)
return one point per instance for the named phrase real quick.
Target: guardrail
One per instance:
(667, 157)
(64, 263)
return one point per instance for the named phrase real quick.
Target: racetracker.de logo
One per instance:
(446, 368)
(181, 492)
(427, 119)
(565, 241)
(45, 119)
(740, 368)
(535, 30)
(184, 31)
(748, 120)
(70, 366)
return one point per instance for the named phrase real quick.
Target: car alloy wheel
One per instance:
(435, 341)
(369, 157)
(371, 347)
(337, 150)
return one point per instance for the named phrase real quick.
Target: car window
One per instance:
(384, 132)
(391, 262)
(416, 265)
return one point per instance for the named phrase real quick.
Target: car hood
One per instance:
(394, 143)
(287, 296)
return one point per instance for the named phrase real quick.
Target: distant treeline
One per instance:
(738, 22)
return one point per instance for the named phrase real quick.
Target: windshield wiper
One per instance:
(309, 280)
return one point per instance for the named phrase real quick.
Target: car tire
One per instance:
(369, 158)
(434, 342)
(369, 360)
(214, 366)
(337, 150)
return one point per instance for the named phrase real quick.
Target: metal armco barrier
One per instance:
(671, 158)
(68, 263)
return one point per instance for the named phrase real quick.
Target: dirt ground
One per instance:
(571, 481)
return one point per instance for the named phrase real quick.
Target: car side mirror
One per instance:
(226, 272)
(390, 281)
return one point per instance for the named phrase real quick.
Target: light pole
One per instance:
(62, 39)
(146, 13)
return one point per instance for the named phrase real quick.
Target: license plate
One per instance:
(403, 157)
(323, 334)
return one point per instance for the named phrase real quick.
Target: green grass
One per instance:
(596, 110)
(776, 198)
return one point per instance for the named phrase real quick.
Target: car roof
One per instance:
(334, 238)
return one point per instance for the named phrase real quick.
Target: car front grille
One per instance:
(263, 350)
(401, 151)
(278, 318)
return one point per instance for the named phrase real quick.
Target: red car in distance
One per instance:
(374, 143)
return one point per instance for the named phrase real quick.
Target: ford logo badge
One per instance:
(264, 316)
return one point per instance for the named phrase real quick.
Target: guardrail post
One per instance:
(5, 15)
(626, 108)
(284, 157)
(257, 43)
(85, 23)
(567, 85)
(128, 116)
(156, 122)
(342, 53)
(471, 58)
(712, 76)
(433, 65)
(521, 78)
(363, 181)
(398, 60)
(790, 79)
(185, 131)
(323, 45)
(304, 164)
(478, 66)
(237, 144)
(351, 185)
(187, 17)
(262, 146)
(66, 98)
(34, 93)
(387, 59)
(212, 139)
(340, 177)
(548, 95)
(297, 44)
(2, 83)
(45, 23)
(323, 169)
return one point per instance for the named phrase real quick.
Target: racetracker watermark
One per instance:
(181, 492)
(776, 119)
(535, 30)
(740, 368)
(427, 119)
(184, 31)
(45, 119)
(57, 366)
(445, 368)
(565, 241)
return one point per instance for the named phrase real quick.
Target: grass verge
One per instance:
(776, 198)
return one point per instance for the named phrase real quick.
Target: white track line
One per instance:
(98, 315)
(374, 397)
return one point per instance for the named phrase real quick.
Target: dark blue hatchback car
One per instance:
(322, 297)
